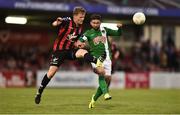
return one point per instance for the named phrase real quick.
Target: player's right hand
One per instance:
(119, 25)
(58, 21)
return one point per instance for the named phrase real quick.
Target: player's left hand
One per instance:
(79, 44)
(119, 25)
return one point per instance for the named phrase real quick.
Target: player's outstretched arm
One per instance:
(118, 32)
(57, 22)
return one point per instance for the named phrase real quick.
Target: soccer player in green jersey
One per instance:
(97, 38)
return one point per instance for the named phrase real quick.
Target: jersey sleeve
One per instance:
(84, 37)
(64, 22)
(111, 32)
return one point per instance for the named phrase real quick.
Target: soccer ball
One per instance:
(139, 18)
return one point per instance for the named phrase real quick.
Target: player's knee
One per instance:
(80, 53)
(108, 78)
(99, 71)
(52, 71)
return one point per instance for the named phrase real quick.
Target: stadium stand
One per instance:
(162, 4)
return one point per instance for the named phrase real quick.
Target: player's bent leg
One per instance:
(81, 53)
(46, 79)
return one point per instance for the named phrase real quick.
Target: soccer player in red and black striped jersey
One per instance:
(69, 29)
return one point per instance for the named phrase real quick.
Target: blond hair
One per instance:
(78, 10)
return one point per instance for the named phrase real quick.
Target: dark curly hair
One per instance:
(95, 17)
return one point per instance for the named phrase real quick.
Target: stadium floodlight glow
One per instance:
(15, 20)
(110, 25)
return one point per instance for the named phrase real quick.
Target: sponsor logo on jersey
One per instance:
(72, 37)
(99, 39)
(55, 59)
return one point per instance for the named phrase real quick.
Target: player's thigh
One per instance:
(57, 58)
(107, 67)
(80, 53)
(108, 71)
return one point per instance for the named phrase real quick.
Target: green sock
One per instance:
(102, 89)
(98, 94)
(103, 84)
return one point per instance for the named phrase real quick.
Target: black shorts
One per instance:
(58, 57)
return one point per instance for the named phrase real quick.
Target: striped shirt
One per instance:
(68, 33)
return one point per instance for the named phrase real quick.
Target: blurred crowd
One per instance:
(147, 56)
(141, 56)
(33, 58)
(19, 57)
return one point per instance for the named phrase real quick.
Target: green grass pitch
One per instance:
(75, 101)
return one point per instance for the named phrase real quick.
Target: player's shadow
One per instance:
(110, 106)
(75, 105)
